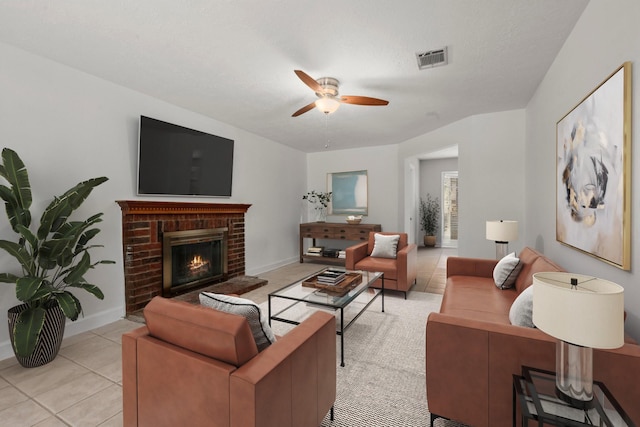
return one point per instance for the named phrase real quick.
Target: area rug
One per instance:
(383, 380)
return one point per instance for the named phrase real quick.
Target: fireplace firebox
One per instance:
(192, 258)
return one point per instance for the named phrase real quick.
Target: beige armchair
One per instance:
(193, 365)
(399, 272)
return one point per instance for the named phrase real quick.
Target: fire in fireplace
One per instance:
(192, 258)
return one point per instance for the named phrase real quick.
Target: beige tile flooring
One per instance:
(432, 269)
(83, 385)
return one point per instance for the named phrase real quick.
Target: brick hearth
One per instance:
(143, 224)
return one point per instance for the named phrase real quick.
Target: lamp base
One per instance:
(574, 374)
(575, 403)
(502, 249)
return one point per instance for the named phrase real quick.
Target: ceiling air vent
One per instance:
(432, 58)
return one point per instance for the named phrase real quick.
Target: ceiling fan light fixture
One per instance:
(327, 104)
(326, 89)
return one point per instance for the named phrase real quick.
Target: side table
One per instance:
(535, 392)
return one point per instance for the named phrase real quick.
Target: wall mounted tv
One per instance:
(174, 160)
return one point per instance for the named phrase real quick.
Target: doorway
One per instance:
(449, 211)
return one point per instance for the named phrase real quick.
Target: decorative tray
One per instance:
(350, 281)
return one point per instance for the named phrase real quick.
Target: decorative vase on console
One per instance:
(321, 214)
(320, 201)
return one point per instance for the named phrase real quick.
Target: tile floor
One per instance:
(83, 385)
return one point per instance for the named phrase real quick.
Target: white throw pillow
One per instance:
(506, 271)
(258, 323)
(521, 312)
(385, 246)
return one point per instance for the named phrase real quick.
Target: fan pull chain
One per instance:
(326, 129)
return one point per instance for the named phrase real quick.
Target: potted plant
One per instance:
(320, 200)
(53, 259)
(429, 214)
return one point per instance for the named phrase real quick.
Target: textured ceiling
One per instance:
(233, 60)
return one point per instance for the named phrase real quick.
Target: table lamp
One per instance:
(583, 313)
(502, 232)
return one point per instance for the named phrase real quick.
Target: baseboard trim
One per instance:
(269, 267)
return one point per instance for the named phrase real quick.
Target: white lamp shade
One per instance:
(327, 104)
(589, 315)
(502, 231)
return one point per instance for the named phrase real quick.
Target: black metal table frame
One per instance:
(343, 327)
(518, 392)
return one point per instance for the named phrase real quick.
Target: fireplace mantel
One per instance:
(143, 226)
(132, 207)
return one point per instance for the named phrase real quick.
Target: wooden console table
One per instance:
(333, 231)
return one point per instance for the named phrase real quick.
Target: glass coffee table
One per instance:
(296, 302)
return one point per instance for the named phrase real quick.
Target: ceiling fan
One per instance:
(326, 88)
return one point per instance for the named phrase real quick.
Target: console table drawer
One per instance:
(322, 235)
(316, 229)
(361, 235)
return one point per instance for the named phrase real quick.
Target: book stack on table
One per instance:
(330, 253)
(315, 250)
(350, 281)
(331, 277)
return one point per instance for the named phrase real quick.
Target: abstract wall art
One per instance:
(593, 172)
(349, 193)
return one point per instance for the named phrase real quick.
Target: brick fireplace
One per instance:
(144, 224)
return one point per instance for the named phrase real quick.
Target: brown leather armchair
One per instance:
(196, 366)
(399, 273)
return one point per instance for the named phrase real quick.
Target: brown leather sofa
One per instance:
(399, 273)
(196, 366)
(472, 350)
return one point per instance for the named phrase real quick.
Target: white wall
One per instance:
(411, 194)
(444, 137)
(606, 35)
(409, 153)
(491, 147)
(491, 182)
(69, 126)
(490, 178)
(381, 165)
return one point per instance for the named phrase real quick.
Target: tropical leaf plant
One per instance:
(53, 259)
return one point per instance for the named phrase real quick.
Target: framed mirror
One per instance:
(350, 193)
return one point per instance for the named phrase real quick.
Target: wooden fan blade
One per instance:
(362, 100)
(304, 109)
(308, 80)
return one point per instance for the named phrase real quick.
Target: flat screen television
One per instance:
(174, 160)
